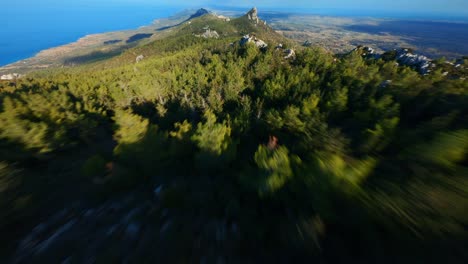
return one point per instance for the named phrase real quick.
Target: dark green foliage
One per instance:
(389, 55)
(137, 37)
(42, 121)
(214, 142)
(95, 166)
(274, 168)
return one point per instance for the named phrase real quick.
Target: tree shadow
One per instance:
(138, 37)
(93, 57)
(114, 41)
(164, 28)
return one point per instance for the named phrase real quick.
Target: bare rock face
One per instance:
(369, 50)
(289, 54)
(422, 63)
(9, 77)
(252, 39)
(406, 57)
(139, 58)
(210, 34)
(252, 15)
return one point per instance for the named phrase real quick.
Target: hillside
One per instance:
(100, 47)
(97, 47)
(205, 145)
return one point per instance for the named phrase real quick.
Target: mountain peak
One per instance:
(253, 15)
(200, 12)
(253, 10)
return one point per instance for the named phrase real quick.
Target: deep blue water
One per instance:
(25, 32)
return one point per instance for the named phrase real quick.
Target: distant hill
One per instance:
(200, 12)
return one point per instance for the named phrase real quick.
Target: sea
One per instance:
(26, 31)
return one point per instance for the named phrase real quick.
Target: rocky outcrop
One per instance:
(227, 19)
(367, 52)
(252, 39)
(245, 39)
(422, 63)
(210, 34)
(404, 57)
(252, 15)
(307, 43)
(290, 54)
(9, 77)
(139, 58)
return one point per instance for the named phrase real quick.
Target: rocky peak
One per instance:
(200, 12)
(252, 15)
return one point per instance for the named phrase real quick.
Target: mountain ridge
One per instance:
(97, 47)
(201, 22)
(200, 12)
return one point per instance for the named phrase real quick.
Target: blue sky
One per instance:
(427, 5)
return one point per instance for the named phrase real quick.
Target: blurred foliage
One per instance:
(275, 168)
(214, 142)
(94, 166)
